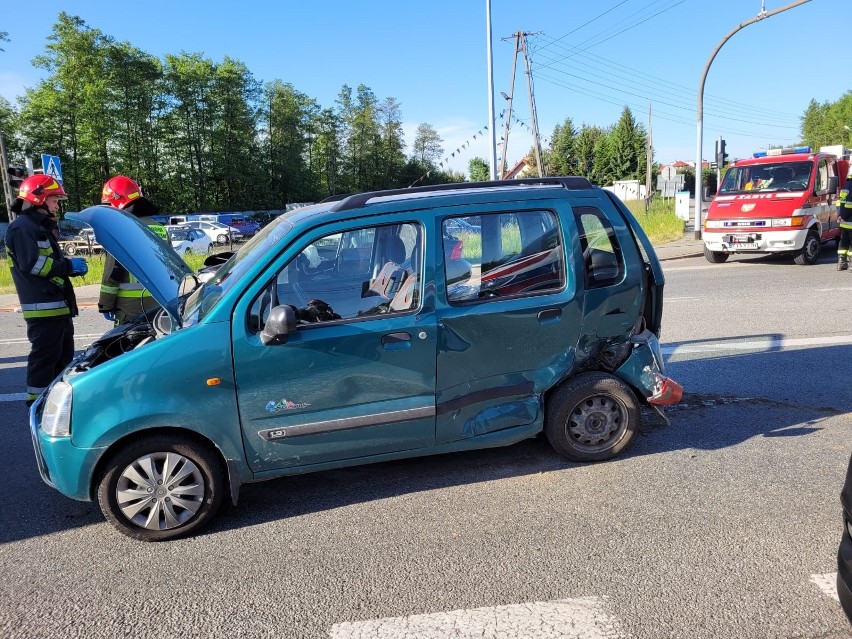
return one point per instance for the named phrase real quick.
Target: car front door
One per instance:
(356, 377)
(511, 317)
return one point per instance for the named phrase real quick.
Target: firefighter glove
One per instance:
(79, 266)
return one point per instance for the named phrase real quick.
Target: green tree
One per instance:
(585, 147)
(479, 170)
(561, 158)
(426, 148)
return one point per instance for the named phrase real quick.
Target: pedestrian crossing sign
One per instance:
(50, 165)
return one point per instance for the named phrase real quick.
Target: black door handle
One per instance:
(395, 338)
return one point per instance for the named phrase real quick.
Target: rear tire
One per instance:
(810, 251)
(222, 239)
(161, 487)
(715, 257)
(592, 417)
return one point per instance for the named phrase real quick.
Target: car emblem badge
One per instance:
(284, 404)
(747, 208)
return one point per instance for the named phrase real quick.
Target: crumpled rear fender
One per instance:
(644, 370)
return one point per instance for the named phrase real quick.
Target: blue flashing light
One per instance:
(759, 154)
(802, 149)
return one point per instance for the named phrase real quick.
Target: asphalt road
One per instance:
(724, 524)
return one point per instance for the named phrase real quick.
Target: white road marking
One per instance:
(14, 397)
(681, 299)
(827, 583)
(770, 343)
(836, 288)
(582, 618)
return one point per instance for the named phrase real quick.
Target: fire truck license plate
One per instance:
(742, 246)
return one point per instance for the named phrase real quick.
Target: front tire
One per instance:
(161, 488)
(222, 239)
(70, 249)
(592, 417)
(715, 257)
(810, 251)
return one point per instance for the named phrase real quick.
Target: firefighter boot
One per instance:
(842, 262)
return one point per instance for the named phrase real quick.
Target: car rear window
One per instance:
(502, 254)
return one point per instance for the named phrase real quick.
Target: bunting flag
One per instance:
(446, 159)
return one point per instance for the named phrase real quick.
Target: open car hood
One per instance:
(148, 257)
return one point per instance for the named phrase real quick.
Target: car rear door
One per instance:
(508, 316)
(356, 385)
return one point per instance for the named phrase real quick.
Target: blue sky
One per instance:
(589, 60)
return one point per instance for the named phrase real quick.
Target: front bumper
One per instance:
(762, 241)
(62, 465)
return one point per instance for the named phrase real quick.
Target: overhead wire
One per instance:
(622, 70)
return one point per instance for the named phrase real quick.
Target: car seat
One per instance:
(391, 274)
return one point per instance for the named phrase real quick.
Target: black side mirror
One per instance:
(281, 322)
(832, 184)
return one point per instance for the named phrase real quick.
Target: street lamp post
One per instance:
(491, 123)
(700, 125)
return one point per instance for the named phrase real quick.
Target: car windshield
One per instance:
(779, 176)
(203, 299)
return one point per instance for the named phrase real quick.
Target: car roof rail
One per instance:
(360, 199)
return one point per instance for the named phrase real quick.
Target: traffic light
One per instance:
(721, 156)
(17, 175)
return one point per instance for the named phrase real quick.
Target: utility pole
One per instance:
(509, 106)
(700, 119)
(492, 124)
(7, 184)
(536, 139)
(649, 165)
(521, 45)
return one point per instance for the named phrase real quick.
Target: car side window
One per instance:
(821, 177)
(360, 274)
(602, 257)
(502, 254)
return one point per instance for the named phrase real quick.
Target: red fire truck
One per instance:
(779, 201)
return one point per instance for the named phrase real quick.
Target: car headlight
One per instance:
(714, 224)
(56, 416)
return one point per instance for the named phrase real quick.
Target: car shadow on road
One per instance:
(795, 390)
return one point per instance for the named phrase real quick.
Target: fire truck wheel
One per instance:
(715, 257)
(70, 249)
(810, 251)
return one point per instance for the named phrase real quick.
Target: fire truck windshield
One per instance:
(785, 176)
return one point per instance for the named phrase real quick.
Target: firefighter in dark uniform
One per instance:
(122, 296)
(844, 217)
(41, 275)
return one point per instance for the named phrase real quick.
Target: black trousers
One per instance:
(52, 341)
(844, 246)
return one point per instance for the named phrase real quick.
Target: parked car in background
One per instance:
(335, 338)
(220, 233)
(189, 240)
(78, 240)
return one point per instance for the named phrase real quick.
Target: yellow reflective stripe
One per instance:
(48, 264)
(127, 293)
(846, 224)
(56, 312)
(112, 290)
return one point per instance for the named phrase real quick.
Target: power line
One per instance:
(623, 70)
(588, 22)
